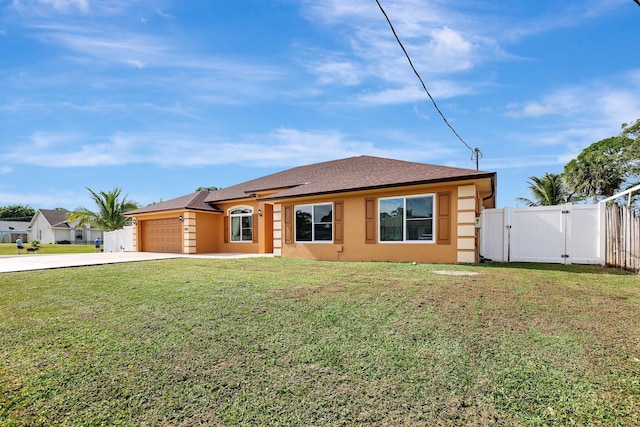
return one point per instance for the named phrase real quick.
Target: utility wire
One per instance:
(637, 1)
(475, 153)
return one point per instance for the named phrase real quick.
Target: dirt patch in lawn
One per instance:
(456, 273)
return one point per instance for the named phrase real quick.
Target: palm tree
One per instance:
(110, 209)
(549, 190)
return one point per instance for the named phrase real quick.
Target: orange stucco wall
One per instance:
(208, 226)
(265, 230)
(138, 230)
(209, 234)
(355, 247)
(204, 232)
(240, 247)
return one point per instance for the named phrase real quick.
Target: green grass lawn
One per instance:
(270, 341)
(48, 248)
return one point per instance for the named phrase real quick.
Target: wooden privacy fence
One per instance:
(623, 237)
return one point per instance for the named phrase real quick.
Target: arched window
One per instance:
(241, 225)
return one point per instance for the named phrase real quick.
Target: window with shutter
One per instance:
(338, 222)
(288, 225)
(444, 218)
(370, 220)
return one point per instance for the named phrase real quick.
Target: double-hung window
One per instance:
(314, 223)
(406, 219)
(241, 225)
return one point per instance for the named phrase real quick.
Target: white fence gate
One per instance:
(562, 234)
(494, 234)
(119, 240)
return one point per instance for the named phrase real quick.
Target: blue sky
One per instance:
(160, 97)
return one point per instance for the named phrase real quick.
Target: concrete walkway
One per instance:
(27, 262)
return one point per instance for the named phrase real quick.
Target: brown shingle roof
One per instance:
(56, 217)
(350, 174)
(193, 201)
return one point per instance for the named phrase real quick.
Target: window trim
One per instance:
(404, 240)
(313, 223)
(232, 215)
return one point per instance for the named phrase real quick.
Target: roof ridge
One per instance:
(356, 172)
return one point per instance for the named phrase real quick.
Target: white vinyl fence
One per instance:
(119, 240)
(565, 234)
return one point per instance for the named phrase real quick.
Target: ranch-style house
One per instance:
(355, 209)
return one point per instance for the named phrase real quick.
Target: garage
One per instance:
(161, 235)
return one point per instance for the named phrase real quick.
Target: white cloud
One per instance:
(42, 200)
(530, 109)
(135, 63)
(560, 15)
(563, 101)
(393, 96)
(281, 147)
(197, 79)
(340, 72)
(518, 162)
(443, 38)
(162, 13)
(60, 149)
(439, 40)
(106, 44)
(85, 7)
(620, 104)
(338, 10)
(293, 146)
(440, 89)
(65, 5)
(600, 103)
(453, 51)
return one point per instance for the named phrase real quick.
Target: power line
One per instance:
(476, 154)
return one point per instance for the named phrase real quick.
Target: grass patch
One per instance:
(289, 342)
(48, 248)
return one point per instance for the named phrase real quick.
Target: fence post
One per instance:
(566, 213)
(506, 235)
(602, 230)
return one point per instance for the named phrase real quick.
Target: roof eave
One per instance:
(185, 208)
(234, 199)
(490, 175)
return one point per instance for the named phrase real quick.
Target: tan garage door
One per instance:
(162, 235)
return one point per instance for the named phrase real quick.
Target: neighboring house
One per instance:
(52, 226)
(11, 230)
(355, 209)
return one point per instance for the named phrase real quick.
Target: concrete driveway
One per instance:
(26, 262)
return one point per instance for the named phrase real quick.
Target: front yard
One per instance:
(48, 248)
(269, 341)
